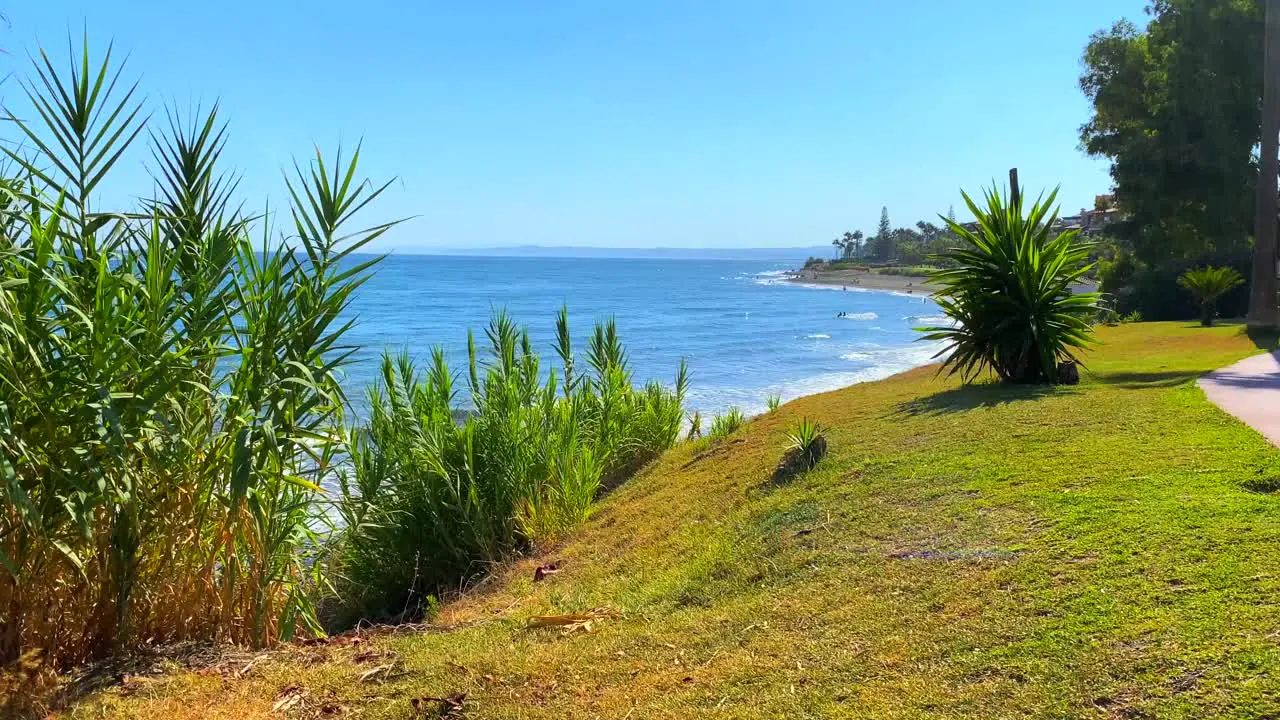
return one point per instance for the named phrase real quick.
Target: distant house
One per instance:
(1092, 222)
(1088, 222)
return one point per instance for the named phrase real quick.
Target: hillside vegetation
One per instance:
(1104, 550)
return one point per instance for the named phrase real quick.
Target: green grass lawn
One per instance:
(1107, 550)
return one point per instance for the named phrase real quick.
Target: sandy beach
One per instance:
(863, 280)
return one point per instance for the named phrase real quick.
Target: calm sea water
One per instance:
(744, 333)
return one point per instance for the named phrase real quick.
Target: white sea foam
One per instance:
(861, 316)
(871, 363)
(818, 336)
(928, 319)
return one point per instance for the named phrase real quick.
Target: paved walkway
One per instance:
(1250, 390)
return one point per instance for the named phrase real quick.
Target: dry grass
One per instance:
(986, 552)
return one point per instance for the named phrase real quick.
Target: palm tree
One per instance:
(852, 243)
(839, 243)
(1208, 284)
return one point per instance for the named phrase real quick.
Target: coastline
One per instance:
(863, 280)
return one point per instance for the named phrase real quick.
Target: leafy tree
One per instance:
(1175, 109)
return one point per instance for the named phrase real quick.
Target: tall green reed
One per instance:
(169, 396)
(431, 502)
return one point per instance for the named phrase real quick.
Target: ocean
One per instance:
(745, 333)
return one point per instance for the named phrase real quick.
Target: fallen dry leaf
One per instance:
(574, 622)
(449, 706)
(383, 673)
(249, 666)
(288, 699)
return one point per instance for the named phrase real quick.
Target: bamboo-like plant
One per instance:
(431, 502)
(1009, 292)
(1208, 284)
(169, 404)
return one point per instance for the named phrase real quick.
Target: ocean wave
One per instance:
(928, 319)
(818, 336)
(897, 359)
(773, 273)
(861, 316)
(878, 363)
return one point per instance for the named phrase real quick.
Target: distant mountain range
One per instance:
(792, 254)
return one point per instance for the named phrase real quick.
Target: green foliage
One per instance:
(949, 521)
(774, 402)
(695, 426)
(1153, 291)
(170, 403)
(723, 426)
(1176, 110)
(882, 245)
(1207, 284)
(804, 436)
(1010, 293)
(908, 270)
(433, 502)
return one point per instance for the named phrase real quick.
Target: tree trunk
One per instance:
(1263, 312)
(1207, 311)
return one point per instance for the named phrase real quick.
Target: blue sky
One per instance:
(694, 123)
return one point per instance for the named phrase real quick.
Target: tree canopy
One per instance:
(1177, 111)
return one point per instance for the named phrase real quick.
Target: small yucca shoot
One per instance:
(803, 435)
(775, 401)
(726, 424)
(806, 445)
(695, 426)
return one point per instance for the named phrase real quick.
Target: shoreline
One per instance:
(862, 280)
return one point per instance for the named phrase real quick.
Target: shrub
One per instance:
(170, 404)
(1010, 295)
(774, 402)
(806, 445)
(725, 425)
(1154, 291)
(1207, 284)
(432, 502)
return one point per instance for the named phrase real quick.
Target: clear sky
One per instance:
(627, 123)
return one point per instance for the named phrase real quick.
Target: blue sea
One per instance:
(745, 332)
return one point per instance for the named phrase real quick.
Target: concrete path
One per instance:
(1249, 390)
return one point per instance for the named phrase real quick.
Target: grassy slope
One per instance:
(983, 552)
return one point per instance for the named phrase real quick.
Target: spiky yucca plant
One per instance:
(803, 436)
(1009, 292)
(1208, 284)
